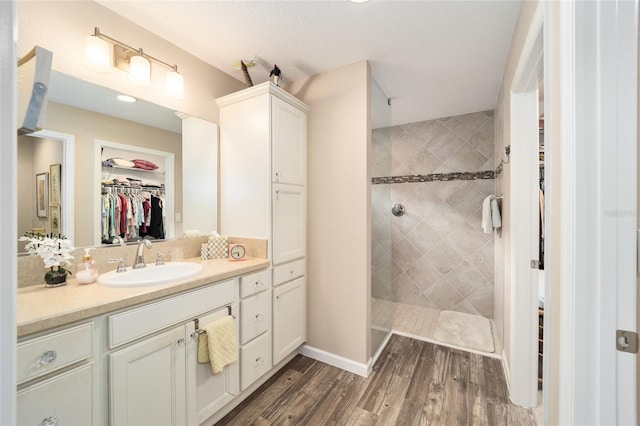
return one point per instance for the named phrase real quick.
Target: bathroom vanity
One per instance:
(125, 356)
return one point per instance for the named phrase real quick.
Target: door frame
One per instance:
(8, 216)
(598, 54)
(523, 205)
(68, 178)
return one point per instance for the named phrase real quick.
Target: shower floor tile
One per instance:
(414, 321)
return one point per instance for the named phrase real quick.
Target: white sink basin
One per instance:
(151, 275)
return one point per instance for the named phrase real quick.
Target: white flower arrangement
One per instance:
(54, 251)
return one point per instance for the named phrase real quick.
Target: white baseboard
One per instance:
(337, 360)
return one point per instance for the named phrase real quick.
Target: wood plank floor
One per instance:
(412, 383)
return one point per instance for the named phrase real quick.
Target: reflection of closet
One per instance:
(541, 248)
(135, 198)
(541, 191)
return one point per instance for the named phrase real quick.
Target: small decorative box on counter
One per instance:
(215, 248)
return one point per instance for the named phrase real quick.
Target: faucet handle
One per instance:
(160, 258)
(121, 266)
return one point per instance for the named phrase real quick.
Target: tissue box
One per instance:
(215, 248)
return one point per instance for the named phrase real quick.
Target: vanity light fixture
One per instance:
(96, 53)
(97, 56)
(140, 70)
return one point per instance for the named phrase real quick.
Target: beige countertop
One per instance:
(41, 308)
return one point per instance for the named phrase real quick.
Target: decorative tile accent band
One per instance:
(434, 177)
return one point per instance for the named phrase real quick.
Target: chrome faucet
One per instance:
(139, 263)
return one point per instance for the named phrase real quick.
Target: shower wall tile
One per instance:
(440, 258)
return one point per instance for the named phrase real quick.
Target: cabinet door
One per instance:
(289, 142)
(289, 219)
(212, 391)
(64, 400)
(289, 318)
(148, 381)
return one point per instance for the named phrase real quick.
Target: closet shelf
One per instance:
(133, 169)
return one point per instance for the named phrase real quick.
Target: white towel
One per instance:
(496, 220)
(487, 223)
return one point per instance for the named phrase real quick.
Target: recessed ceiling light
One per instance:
(358, 1)
(126, 98)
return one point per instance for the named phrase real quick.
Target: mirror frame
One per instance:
(67, 180)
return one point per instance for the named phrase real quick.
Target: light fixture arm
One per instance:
(112, 40)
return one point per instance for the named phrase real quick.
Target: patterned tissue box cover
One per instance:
(215, 248)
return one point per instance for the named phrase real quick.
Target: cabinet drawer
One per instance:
(254, 283)
(41, 355)
(64, 399)
(255, 316)
(288, 271)
(135, 323)
(255, 360)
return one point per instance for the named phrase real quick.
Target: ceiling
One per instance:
(81, 94)
(432, 58)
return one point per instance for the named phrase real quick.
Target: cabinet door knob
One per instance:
(259, 317)
(180, 342)
(50, 421)
(259, 362)
(48, 357)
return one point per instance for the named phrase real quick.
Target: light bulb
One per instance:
(175, 85)
(140, 71)
(96, 54)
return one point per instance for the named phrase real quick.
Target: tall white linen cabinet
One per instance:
(263, 175)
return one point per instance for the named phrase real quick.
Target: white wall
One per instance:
(339, 206)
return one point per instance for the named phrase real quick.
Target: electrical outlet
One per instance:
(178, 217)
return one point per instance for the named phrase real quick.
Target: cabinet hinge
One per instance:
(535, 264)
(627, 341)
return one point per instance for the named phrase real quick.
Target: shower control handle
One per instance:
(397, 210)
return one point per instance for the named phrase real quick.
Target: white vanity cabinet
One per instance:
(55, 374)
(148, 381)
(263, 168)
(255, 327)
(154, 376)
(289, 308)
(211, 391)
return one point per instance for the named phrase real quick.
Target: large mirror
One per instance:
(86, 123)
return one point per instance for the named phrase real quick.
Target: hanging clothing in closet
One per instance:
(131, 215)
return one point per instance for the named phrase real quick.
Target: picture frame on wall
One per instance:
(42, 195)
(54, 220)
(54, 183)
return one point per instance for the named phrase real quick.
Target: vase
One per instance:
(56, 277)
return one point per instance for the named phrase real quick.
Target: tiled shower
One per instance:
(435, 256)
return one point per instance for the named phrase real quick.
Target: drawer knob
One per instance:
(47, 358)
(259, 362)
(259, 317)
(258, 284)
(50, 421)
(291, 272)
